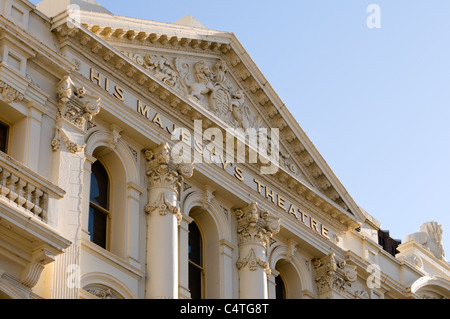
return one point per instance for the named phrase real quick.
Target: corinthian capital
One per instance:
(256, 226)
(75, 104)
(162, 171)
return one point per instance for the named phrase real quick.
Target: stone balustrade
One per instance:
(25, 189)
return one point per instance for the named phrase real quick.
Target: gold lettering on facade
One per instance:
(93, 77)
(324, 232)
(185, 136)
(224, 163)
(270, 194)
(143, 110)
(107, 84)
(314, 224)
(174, 127)
(239, 174)
(292, 210)
(281, 201)
(118, 94)
(157, 120)
(303, 216)
(259, 184)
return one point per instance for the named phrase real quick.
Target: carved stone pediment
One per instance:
(160, 58)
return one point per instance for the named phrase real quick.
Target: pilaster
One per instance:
(76, 110)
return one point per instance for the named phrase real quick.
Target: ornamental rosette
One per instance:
(255, 226)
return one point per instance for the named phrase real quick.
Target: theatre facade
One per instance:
(141, 159)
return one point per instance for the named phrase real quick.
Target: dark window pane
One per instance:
(280, 289)
(97, 226)
(3, 137)
(99, 204)
(195, 282)
(99, 185)
(195, 244)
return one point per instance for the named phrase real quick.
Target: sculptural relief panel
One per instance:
(205, 82)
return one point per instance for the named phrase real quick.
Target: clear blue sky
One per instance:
(375, 102)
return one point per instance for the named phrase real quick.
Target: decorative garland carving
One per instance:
(163, 207)
(71, 146)
(253, 262)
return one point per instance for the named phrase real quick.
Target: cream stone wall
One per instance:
(112, 89)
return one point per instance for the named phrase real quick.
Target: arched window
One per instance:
(280, 289)
(3, 137)
(99, 205)
(195, 262)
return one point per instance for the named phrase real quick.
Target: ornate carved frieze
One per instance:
(10, 94)
(256, 226)
(333, 276)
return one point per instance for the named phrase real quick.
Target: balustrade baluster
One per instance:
(28, 190)
(20, 191)
(11, 185)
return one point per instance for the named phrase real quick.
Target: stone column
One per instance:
(255, 228)
(163, 218)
